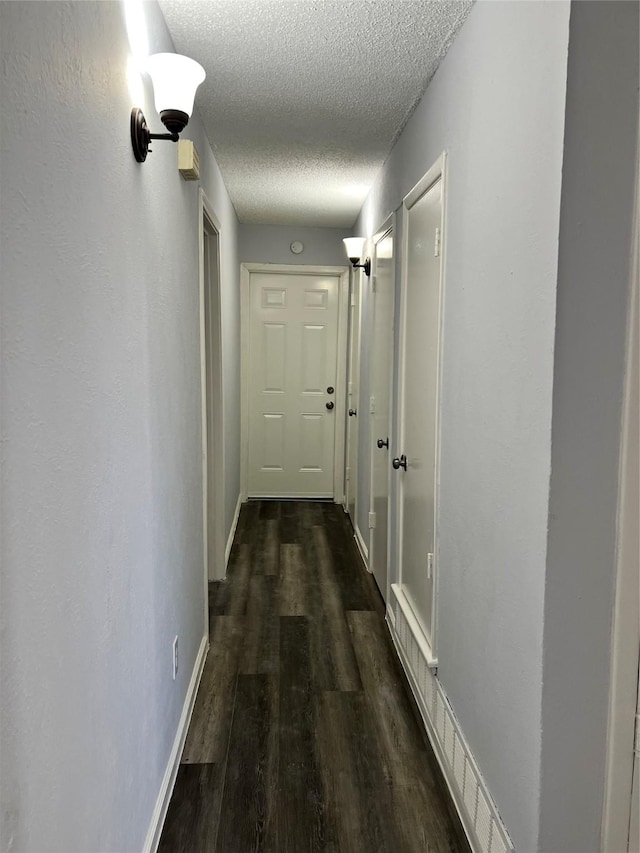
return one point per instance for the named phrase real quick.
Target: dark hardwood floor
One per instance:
(304, 736)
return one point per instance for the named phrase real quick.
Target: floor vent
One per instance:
(478, 813)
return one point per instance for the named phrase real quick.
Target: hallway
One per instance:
(303, 736)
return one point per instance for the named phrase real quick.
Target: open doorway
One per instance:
(212, 401)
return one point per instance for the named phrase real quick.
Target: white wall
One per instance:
(601, 133)
(496, 105)
(270, 244)
(102, 559)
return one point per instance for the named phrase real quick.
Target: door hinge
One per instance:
(372, 520)
(350, 388)
(436, 247)
(347, 474)
(353, 300)
(372, 405)
(373, 283)
(636, 741)
(429, 566)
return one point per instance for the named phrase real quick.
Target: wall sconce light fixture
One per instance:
(354, 247)
(175, 80)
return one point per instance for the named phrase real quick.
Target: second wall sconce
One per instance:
(175, 79)
(354, 247)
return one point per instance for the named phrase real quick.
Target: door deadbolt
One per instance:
(383, 442)
(330, 389)
(329, 405)
(400, 462)
(353, 412)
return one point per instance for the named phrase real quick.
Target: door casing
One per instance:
(341, 368)
(624, 692)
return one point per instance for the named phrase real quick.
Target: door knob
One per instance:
(329, 405)
(330, 389)
(400, 463)
(383, 442)
(352, 412)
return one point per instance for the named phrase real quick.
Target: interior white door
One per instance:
(292, 359)
(353, 388)
(381, 378)
(420, 346)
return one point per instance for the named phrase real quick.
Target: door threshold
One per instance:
(294, 498)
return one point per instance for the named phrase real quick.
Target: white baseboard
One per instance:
(362, 547)
(479, 816)
(166, 789)
(232, 532)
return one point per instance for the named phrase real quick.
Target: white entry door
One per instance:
(416, 463)
(292, 378)
(381, 379)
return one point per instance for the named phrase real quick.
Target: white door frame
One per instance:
(437, 171)
(388, 226)
(353, 323)
(359, 281)
(623, 695)
(207, 220)
(341, 364)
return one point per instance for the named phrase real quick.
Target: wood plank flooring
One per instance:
(304, 736)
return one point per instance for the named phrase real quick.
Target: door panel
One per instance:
(314, 359)
(293, 334)
(311, 443)
(275, 351)
(381, 379)
(273, 453)
(419, 406)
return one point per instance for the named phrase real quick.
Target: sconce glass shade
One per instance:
(354, 247)
(175, 80)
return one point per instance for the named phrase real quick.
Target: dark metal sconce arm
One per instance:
(174, 137)
(141, 136)
(366, 266)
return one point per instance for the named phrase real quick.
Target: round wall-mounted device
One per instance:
(296, 247)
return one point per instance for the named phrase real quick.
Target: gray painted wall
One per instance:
(601, 132)
(496, 105)
(269, 244)
(102, 559)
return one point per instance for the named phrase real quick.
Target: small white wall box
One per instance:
(188, 160)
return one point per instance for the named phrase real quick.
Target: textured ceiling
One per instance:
(304, 98)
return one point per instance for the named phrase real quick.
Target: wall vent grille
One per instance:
(483, 821)
(458, 762)
(486, 832)
(470, 792)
